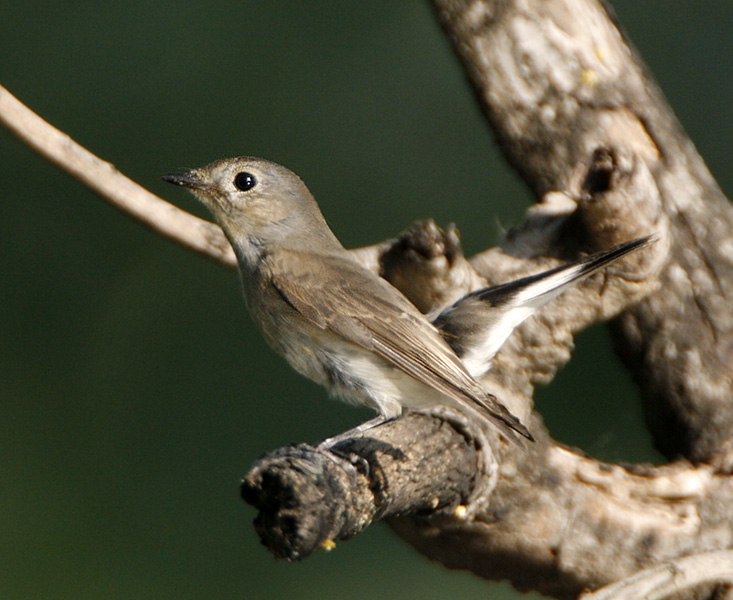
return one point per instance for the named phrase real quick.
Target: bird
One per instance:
(346, 328)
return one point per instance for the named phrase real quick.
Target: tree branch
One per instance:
(308, 498)
(563, 89)
(670, 578)
(112, 186)
(548, 519)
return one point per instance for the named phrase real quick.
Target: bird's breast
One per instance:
(349, 371)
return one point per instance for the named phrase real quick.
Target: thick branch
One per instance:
(560, 86)
(556, 522)
(308, 498)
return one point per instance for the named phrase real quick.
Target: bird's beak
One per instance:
(188, 180)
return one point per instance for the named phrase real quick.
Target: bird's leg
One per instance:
(330, 442)
(357, 462)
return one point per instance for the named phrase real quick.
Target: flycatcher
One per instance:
(348, 329)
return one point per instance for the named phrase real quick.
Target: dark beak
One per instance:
(188, 180)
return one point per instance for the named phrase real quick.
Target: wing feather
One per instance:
(379, 318)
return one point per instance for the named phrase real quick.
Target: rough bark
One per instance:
(562, 87)
(308, 498)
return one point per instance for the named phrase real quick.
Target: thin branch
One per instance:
(670, 578)
(103, 178)
(112, 186)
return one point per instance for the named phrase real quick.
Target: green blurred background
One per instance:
(134, 392)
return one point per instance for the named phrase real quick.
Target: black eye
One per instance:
(244, 181)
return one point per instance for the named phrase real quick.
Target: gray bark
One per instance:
(561, 85)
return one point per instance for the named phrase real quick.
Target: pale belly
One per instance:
(348, 371)
(360, 377)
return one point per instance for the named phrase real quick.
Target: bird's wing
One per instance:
(343, 297)
(478, 324)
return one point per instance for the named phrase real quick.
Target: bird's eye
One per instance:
(244, 181)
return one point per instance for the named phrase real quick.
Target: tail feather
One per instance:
(478, 325)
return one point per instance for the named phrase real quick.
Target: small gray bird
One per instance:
(344, 327)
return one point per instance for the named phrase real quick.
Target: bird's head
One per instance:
(257, 203)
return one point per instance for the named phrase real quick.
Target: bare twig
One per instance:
(670, 578)
(112, 186)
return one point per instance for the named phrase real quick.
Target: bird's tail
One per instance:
(477, 325)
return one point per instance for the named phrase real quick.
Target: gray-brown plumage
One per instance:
(333, 320)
